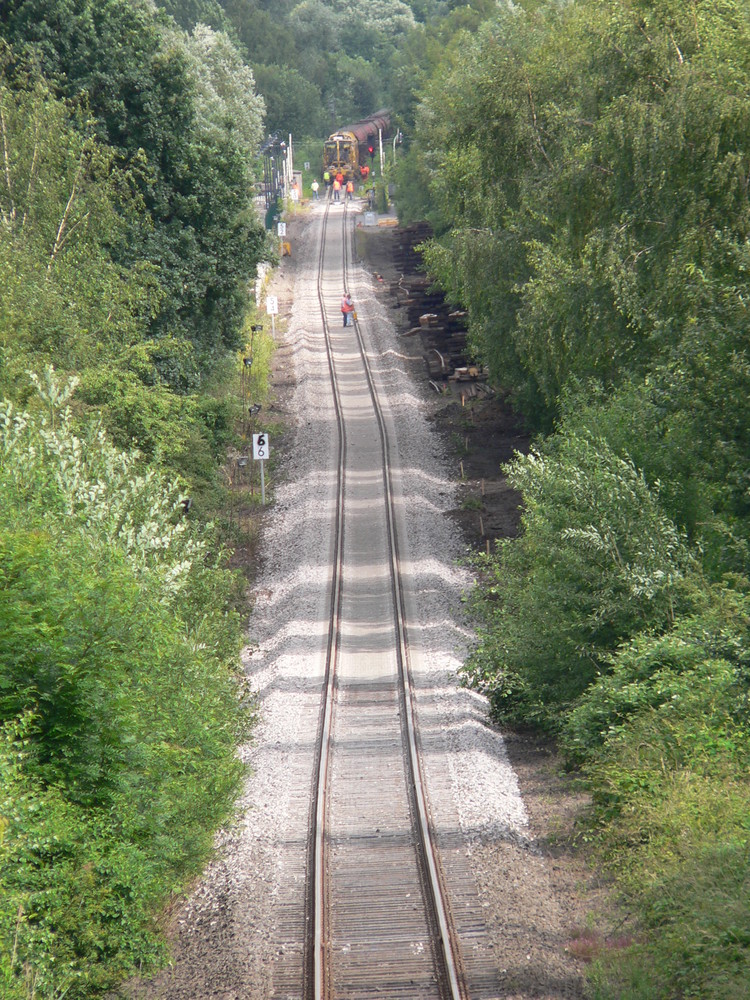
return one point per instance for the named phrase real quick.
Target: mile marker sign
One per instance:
(261, 451)
(272, 305)
(261, 447)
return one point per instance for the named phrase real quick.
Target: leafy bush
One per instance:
(185, 434)
(695, 941)
(78, 900)
(597, 562)
(685, 427)
(673, 802)
(704, 656)
(665, 740)
(120, 700)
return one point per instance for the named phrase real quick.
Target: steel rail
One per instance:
(449, 944)
(316, 883)
(451, 973)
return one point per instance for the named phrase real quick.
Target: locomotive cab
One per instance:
(340, 153)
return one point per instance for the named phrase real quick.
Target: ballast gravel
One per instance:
(239, 934)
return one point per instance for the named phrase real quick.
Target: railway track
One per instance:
(378, 923)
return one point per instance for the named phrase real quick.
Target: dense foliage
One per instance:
(128, 229)
(120, 708)
(319, 64)
(166, 109)
(128, 243)
(585, 167)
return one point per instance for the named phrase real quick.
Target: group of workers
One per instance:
(337, 184)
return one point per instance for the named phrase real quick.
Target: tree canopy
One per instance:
(128, 240)
(584, 167)
(165, 107)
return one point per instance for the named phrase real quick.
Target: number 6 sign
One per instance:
(261, 451)
(261, 448)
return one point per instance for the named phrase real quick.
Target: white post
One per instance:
(262, 483)
(382, 155)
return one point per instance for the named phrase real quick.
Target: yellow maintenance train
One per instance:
(356, 145)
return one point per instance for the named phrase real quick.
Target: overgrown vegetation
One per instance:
(317, 64)
(128, 244)
(585, 168)
(320, 64)
(120, 703)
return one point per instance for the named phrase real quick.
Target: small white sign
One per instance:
(261, 447)
(307, 164)
(272, 305)
(282, 229)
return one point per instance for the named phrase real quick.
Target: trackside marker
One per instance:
(261, 451)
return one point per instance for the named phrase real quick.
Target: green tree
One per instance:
(227, 97)
(294, 103)
(591, 214)
(132, 71)
(63, 208)
(264, 34)
(597, 562)
(189, 13)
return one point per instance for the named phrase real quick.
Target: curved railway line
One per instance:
(378, 922)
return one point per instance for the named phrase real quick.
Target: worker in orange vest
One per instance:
(347, 308)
